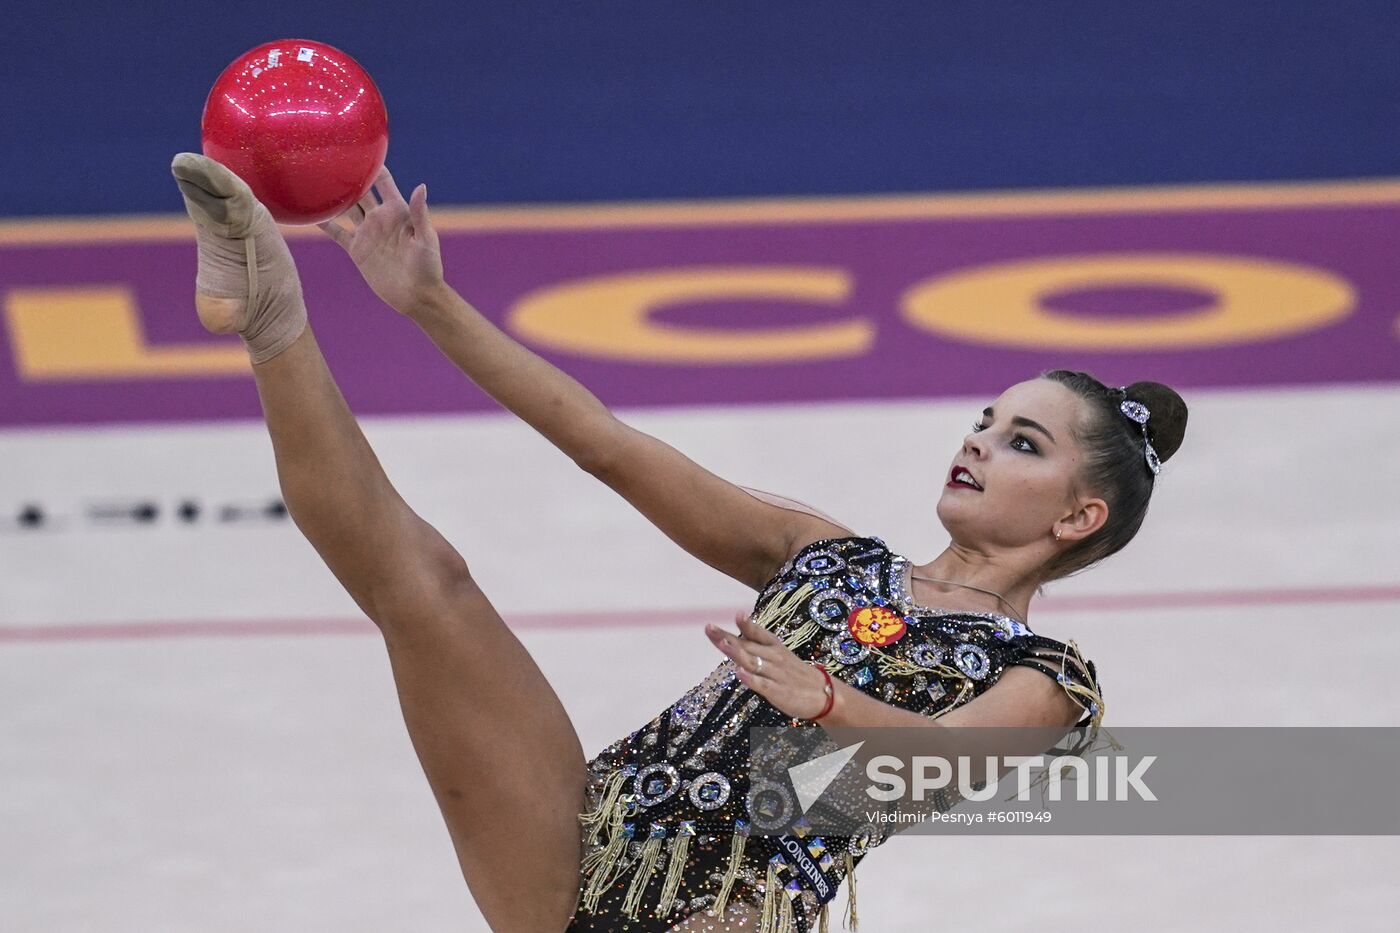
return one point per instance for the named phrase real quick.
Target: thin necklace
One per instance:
(1014, 614)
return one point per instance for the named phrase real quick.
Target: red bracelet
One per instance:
(830, 692)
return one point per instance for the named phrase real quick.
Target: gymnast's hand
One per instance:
(780, 677)
(393, 243)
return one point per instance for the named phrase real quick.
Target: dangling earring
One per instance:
(1057, 533)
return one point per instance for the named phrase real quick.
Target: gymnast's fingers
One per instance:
(368, 202)
(731, 646)
(761, 684)
(755, 632)
(336, 232)
(388, 190)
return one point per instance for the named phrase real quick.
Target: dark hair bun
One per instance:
(1167, 423)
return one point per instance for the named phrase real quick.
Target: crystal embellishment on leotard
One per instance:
(820, 563)
(867, 837)
(829, 610)
(846, 649)
(876, 625)
(709, 791)
(656, 783)
(1004, 627)
(927, 654)
(894, 581)
(769, 805)
(972, 660)
(705, 860)
(869, 577)
(817, 846)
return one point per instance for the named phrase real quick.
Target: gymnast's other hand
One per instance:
(393, 243)
(769, 668)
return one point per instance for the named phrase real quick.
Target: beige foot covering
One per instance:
(241, 255)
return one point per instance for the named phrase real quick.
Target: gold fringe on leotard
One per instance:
(676, 853)
(769, 920)
(782, 612)
(893, 666)
(824, 920)
(736, 859)
(646, 865)
(851, 921)
(594, 820)
(1087, 697)
(800, 635)
(786, 922)
(604, 866)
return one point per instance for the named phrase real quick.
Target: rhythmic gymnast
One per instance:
(655, 832)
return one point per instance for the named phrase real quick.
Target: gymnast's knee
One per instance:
(430, 585)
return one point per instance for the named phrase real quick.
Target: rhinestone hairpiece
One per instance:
(1136, 411)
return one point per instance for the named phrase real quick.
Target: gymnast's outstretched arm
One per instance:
(742, 535)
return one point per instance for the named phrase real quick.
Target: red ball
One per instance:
(302, 123)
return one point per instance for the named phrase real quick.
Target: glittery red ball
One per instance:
(302, 123)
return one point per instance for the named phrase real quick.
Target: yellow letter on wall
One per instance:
(608, 316)
(1255, 299)
(95, 333)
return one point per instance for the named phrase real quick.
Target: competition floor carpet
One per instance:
(180, 751)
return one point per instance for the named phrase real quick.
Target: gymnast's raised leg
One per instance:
(499, 751)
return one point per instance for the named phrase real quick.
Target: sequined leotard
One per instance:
(668, 833)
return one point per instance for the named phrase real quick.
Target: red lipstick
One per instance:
(955, 483)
